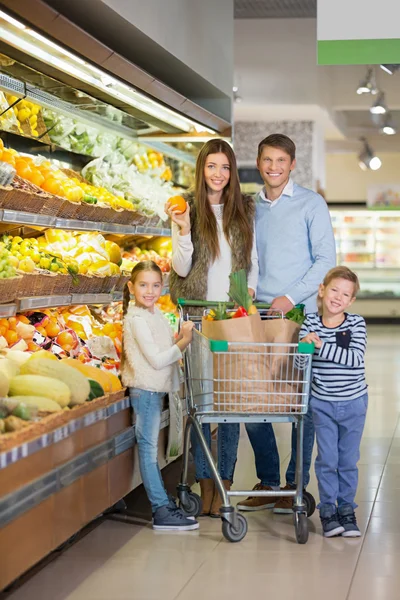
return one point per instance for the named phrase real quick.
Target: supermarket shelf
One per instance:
(7, 310)
(24, 218)
(37, 302)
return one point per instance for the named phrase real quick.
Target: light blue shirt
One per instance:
(295, 245)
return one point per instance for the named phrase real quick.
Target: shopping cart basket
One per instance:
(234, 383)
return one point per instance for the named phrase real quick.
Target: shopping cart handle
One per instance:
(210, 304)
(306, 348)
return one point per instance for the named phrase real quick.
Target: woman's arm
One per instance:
(253, 275)
(158, 360)
(182, 251)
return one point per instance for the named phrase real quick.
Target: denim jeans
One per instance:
(262, 439)
(147, 407)
(339, 427)
(228, 441)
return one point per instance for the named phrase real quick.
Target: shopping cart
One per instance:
(244, 383)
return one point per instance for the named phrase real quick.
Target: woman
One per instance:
(214, 237)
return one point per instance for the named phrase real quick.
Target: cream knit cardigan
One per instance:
(151, 356)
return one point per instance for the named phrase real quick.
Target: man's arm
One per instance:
(323, 251)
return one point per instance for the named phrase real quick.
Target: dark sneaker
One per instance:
(173, 505)
(258, 502)
(348, 521)
(284, 506)
(330, 521)
(169, 518)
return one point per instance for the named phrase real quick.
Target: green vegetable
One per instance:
(220, 313)
(238, 290)
(96, 391)
(89, 199)
(296, 315)
(22, 411)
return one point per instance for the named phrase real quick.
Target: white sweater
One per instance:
(151, 356)
(219, 271)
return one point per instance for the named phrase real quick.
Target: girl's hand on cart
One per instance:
(252, 293)
(187, 331)
(181, 219)
(312, 338)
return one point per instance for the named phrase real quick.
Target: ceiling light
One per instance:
(235, 89)
(15, 34)
(390, 68)
(379, 107)
(368, 84)
(367, 159)
(388, 127)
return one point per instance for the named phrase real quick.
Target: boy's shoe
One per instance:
(348, 521)
(173, 505)
(330, 521)
(258, 502)
(171, 518)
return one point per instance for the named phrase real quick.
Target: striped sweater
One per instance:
(338, 371)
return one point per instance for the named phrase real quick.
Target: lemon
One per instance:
(23, 114)
(13, 260)
(35, 256)
(54, 267)
(26, 265)
(35, 133)
(35, 109)
(44, 263)
(16, 240)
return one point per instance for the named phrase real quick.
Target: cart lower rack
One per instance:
(246, 383)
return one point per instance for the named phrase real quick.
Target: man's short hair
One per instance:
(281, 141)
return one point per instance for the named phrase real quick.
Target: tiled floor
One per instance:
(121, 562)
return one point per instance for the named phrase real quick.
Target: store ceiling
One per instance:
(275, 9)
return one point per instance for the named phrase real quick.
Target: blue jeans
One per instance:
(262, 439)
(228, 441)
(339, 427)
(148, 406)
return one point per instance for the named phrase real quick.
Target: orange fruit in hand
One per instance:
(179, 204)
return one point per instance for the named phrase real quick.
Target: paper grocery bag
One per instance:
(244, 329)
(243, 383)
(283, 332)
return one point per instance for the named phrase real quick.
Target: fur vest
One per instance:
(194, 285)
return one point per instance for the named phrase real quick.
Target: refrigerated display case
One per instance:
(368, 241)
(92, 159)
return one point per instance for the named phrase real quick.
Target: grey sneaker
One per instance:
(330, 521)
(348, 521)
(169, 518)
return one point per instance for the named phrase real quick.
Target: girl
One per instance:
(150, 370)
(213, 238)
(338, 400)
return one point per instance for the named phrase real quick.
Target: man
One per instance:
(296, 248)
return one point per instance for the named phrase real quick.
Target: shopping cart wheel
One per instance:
(192, 504)
(233, 534)
(309, 502)
(301, 527)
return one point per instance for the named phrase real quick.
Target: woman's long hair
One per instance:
(232, 199)
(141, 267)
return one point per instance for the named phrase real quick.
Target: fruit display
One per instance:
(143, 190)
(7, 264)
(158, 250)
(27, 114)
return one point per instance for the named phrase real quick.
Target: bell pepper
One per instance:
(241, 312)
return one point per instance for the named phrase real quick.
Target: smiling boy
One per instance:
(296, 248)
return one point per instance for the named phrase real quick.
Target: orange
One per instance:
(4, 323)
(23, 319)
(1, 145)
(179, 203)
(32, 347)
(8, 157)
(66, 339)
(52, 186)
(53, 329)
(36, 177)
(11, 337)
(2, 330)
(42, 330)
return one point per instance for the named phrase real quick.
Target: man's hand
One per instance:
(252, 293)
(312, 338)
(281, 305)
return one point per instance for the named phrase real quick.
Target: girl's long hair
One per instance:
(232, 199)
(141, 267)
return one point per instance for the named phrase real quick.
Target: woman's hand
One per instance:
(312, 338)
(181, 219)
